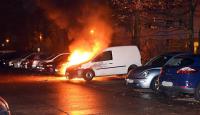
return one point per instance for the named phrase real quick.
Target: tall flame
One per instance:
(91, 42)
(88, 27)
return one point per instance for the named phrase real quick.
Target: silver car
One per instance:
(145, 76)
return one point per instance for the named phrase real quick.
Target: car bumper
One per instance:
(75, 73)
(178, 89)
(137, 83)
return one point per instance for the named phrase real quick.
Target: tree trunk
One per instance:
(191, 29)
(136, 29)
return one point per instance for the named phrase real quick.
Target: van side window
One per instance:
(104, 56)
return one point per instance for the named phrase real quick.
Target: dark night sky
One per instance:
(19, 18)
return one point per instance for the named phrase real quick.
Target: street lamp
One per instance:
(40, 37)
(2, 45)
(7, 40)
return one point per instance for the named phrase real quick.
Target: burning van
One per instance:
(116, 60)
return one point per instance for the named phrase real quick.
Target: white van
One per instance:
(112, 61)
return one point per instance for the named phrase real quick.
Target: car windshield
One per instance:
(38, 56)
(52, 56)
(61, 58)
(180, 61)
(158, 61)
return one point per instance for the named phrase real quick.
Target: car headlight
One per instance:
(145, 74)
(49, 65)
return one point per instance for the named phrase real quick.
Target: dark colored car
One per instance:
(4, 108)
(32, 61)
(146, 75)
(53, 63)
(181, 74)
(5, 58)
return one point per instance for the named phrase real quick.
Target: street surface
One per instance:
(34, 94)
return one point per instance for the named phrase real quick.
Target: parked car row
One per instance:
(173, 74)
(41, 62)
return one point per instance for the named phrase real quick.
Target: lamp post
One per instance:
(7, 40)
(40, 42)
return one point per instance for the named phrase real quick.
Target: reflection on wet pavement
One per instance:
(51, 95)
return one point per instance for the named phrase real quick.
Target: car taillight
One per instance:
(161, 71)
(186, 70)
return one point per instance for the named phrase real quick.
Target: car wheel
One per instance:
(68, 76)
(155, 85)
(51, 70)
(197, 93)
(88, 75)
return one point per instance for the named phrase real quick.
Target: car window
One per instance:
(180, 61)
(158, 61)
(52, 56)
(31, 56)
(104, 56)
(61, 58)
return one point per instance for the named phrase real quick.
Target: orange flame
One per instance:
(91, 40)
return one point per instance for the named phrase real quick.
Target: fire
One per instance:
(91, 31)
(94, 37)
(79, 56)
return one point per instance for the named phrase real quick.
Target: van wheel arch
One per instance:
(133, 66)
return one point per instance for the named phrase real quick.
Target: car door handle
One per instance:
(110, 63)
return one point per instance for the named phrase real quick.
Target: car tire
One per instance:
(197, 93)
(68, 76)
(88, 75)
(155, 85)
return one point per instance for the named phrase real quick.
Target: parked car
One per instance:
(32, 61)
(181, 74)
(52, 64)
(145, 76)
(4, 108)
(5, 58)
(16, 63)
(112, 61)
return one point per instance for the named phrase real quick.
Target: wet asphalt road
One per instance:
(34, 94)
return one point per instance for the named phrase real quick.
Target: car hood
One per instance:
(140, 69)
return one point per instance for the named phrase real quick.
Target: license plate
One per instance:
(166, 83)
(129, 80)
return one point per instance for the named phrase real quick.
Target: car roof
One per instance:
(176, 53)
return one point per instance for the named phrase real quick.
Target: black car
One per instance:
(53, 64)
(32, 61)
(5, 58)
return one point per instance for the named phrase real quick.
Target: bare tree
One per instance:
(134, 13)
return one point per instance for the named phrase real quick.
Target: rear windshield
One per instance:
(158, 61)
(180, 61)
